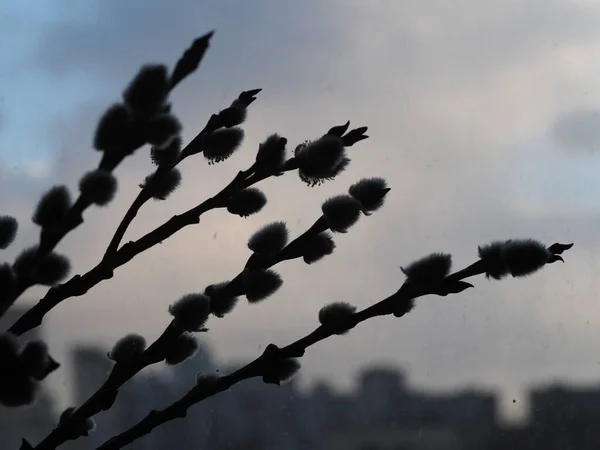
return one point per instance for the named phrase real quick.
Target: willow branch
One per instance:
(122, 372)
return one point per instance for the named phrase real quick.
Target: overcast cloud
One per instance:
(478, 113)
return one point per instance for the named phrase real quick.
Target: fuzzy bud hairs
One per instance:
(234, 114)
(270, 239)
(370, 192)
(191, 312)
(161, 186)
(517, 257)
(52, 207)
(246, 202)
(114, 129)
(221, 302)
(271, 155)
(99, 186)
(167, 155)
(335, 316)
(182, 348)
(206, 380)
(147, 92)
(221, 144)
(127, 348)
(341, 212)
(78, 429)
(51, 268)
(426, 273)
(317, 246)
(162, 129)
(8, 231)
(278, 369)
(321, 160)
(260, 283)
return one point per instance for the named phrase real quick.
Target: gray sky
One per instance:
(483, 118)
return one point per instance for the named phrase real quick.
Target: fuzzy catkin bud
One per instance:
(281, 370)
(335, 316)
(113, 129)
(517, 257)
(51, 267)
(221, 144)
(341, 212)
(147, 92)
(52, 207)
(404, 307)
(99, 186)
(321, 160)
(271, 155)
(162, 129)
(8, 231)
(36, 361)
(24, 262)
(128, 348)
(191, 311)
(166, 155)
(317, 246)
(370, 192)
(234, 114)
(270, 239)
(491, 255)
(159, 188)
(429, 271)
(182, 348)
(81, 428)
(221, 303)
(246, 202)
(206, 380)
(524, 256)
(260, 283)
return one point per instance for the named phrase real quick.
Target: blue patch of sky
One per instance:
(30, 101)
(545, 177)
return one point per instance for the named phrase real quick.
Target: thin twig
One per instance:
(187, 64)
(80, 284)
(401, 299)
(144, 196)
(105, 396)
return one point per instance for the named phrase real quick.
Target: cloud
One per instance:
(579, 131)
(461, 103)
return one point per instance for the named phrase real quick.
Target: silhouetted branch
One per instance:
(80, 284)
(50, 238)
(215, 122)
(398, 304)
(262, 258)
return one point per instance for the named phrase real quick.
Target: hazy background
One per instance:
(483, 117)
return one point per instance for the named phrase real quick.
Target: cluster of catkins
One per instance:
(269, 245)
(22, 369)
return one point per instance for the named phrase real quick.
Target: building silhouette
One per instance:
(383, 413)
